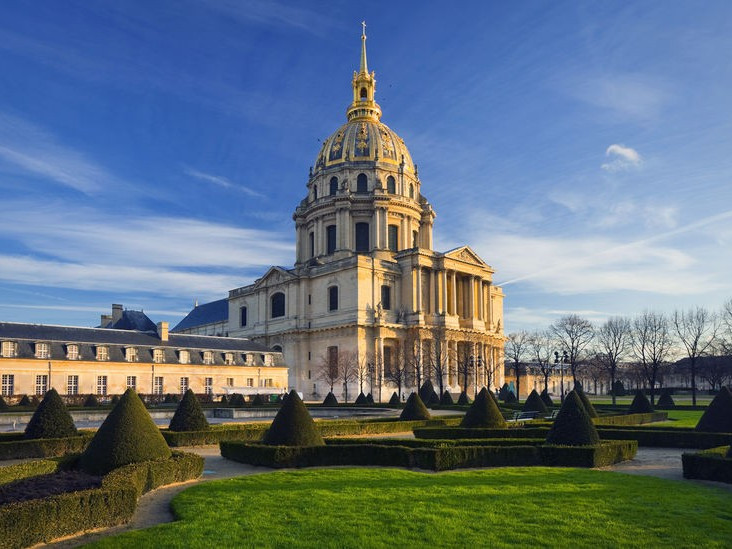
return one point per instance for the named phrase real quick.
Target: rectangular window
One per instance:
(268, 382)
(386, 297)
(72, 385)
(183, 385)
(184, 357)
(333, 298)
(72, 352)
(158, 355)
(415, 239)
(208, 385)
(41, 351)
(8, 384)
(394, 238)
(387, 359)
(10, 349)
(311, 244)
(362, 237)
(228, 359)
(242, 316)
(330, 236)
(102, 385)
(102, 353)
(158, 385)
(333, 361)
(250, 382)
(132, 382)
(131, 354)
(208, 357)
(229, 381)
(41, 384)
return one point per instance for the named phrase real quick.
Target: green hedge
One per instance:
(41, 520)
(708, 465)
(248, 432)
(606, 453)
(435, 443)
(671, 438)
(14, 446)
(11, 473)
(472, 433)
(631, 419)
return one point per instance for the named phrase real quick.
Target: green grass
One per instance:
(508, 507)
(679, 418)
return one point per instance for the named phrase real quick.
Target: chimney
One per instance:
(106, 319)
(163, 331)
(116, 312)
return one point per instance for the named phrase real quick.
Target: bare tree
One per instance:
(396, 371)
(651, 340)
(364, 372)
(517, 348)
(414, 356)
(465, 360)
(613, 340)
(573, 334)
(715, 369)
(328, 368)
(540, 349)
(489, 371)
(696, 329)
(347, 370)
(438, 357)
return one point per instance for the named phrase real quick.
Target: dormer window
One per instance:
(131, 354)
(184, 357)
(102, 353)
(9, 349)
(229, 358)
(42, 350)
(72, 352)
(158, 355)
(208, 357)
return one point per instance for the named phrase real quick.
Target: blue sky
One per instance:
(152, 153)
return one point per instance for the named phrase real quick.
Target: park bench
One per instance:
(553, 415)
(524, 416)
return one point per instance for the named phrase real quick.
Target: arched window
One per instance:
(315, 192)
(415, 239)
(277, 348)
(390, 185)
(362, 237)
(362, 183)
(393, 238)
(411, 191)
(363, 94)
(277, 302)
(330, 234)
(333, 185)
(333, 298)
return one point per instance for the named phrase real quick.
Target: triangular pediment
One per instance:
(466, 254)
(274, 275)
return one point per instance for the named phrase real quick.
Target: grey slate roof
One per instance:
(207, 313)
(27, 334)
(133, 320)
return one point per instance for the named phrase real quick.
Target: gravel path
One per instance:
(154, 507)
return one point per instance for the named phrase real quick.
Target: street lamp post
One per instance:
(561, 362)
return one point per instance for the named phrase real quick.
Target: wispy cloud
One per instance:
(621, 158)
(222, 181)
(633, 96)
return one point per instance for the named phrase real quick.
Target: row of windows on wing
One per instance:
(132, 354)
(277, 304)
(363, 238)
(159, 385)
(362, 186)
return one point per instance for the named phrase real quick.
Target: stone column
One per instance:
(432, 308)
(418, 287)
(453, 297)
(471, 296)
(443, 292)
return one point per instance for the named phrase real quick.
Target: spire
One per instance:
(364, 69)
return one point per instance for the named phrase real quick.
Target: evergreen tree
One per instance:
(484, 413)
(717, 418)
(51, 419)
(546, 398)
(189, 415)
(414, 409)
(330, 400)
(394, 400)
(534, 403)
(640, 404)
(293, 425)
(446, 398)
(573, 426)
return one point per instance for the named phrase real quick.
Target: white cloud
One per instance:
(221, 182)
(633, 96)
(621, 158)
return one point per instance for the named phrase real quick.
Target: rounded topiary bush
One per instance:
(446, 398)
(361, 399)
(237, 399)
(369, 398)
(189, 415)
(585, 401)
(91, 401)
(546, 398)
(25, 401)
(414, 409)
(665, 401)
(330, 400)
(394, 400)
(717, 418)
(463, 399)
(258, 400)
(51, 419)
(484, 412)
(293, 425)
(573, 425)
(128, 435)
(640, 404)
(534, 403)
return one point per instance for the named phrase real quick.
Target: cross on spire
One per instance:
(363, 25)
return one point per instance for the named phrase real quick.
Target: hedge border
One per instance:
(22, 448)
(631, 419)
(11, 473)
(439, 458)
(710, 464)
(41, 520)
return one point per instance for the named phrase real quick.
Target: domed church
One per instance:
(369, 305)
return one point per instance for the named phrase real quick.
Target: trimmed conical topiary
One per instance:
(258, 400)
(640, 404)
(446, 398)
(369, 398)
(189, 415)
(414, 409)
(293, 425)
(361, 399)
(463, 399)
(3, 405)
(330, 400)
(665, 401)
(573, 425)
(510, 397)
(717, 418)
(237, 399)
(223, 400)
(25, 401)
(434, 400)
(128, 435)
(51, 419)
(115, 400)
(394, 400)
(427, 393)
(534, 403)
(585, 401)
(91, 401)
(548, 402)
(484, 412)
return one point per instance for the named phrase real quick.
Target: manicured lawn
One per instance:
(508, 507)
(680, 418)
